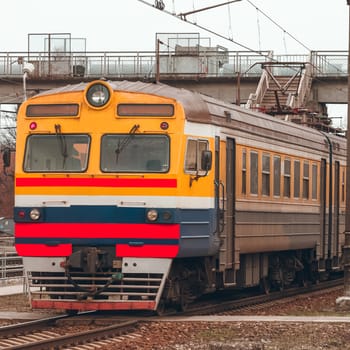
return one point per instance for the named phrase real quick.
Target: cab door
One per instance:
(226, 202)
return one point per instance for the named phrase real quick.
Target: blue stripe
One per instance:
(112, 214)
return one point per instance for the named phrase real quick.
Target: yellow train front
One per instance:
(132, 195)
(103, 191)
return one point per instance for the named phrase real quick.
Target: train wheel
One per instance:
(315, 278)
(302, 279)
(183, 305)
(161, 309)
(281, 286)
(185, 298)
(265, 285)
(71, 312)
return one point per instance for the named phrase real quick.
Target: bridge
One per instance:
(239, 77)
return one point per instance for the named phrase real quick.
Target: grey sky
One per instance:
(130, 25)
(117, 25)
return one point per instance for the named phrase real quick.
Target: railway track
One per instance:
(45, 334)
(259, 300)
(51, 333)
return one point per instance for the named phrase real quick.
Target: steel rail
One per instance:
(25, 335)
(238, 304)
(78, 339)
(28, 327)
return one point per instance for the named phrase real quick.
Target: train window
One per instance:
(276, 176)
(306, 181)
(343, 185)
(286, 178)
(314, 181)
(296, 179)
(146, 110)
(135, 153)
(193, 155)
(56, 153)
(337, 182)
(52, 110)
(253, 172)
(266, 174)
(244, 172)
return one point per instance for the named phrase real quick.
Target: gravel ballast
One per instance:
(237, 335)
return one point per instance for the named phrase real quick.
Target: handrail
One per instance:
(130, 64)
(11, 265)
(304, 87)
(255, 99)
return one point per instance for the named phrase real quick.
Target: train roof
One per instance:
(205, 109)
(191, 101)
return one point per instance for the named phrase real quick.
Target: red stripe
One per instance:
(122, 250)
(62, 230)
(43, 250)
(93, 182)
(87, 305)
(147, 251)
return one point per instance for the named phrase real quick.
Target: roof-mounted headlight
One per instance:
(98, 94)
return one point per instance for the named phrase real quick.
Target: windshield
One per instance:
(56, 153)
(135, 153)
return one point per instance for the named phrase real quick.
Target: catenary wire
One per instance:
(205, 29)
(279, 26)
(229, 39)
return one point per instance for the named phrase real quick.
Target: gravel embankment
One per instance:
(237, 335)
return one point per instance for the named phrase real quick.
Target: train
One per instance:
(132, 195)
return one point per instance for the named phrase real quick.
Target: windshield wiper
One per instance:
(62, 143)
(123, 143)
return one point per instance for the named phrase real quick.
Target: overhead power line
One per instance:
(279, 26)
(183, 17)
(179, 17)
(6, 111)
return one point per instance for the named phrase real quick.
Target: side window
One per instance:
(244, 172)
(296, 179)
(314, 181)
(266, 174)
(253, 172)
(286, 178)
(306, 181)
(343, 185)
(193, 154)
(277, 176)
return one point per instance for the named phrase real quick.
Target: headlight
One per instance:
(98, 95)
(34, 214)
(152, 215)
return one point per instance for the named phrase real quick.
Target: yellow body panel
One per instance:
(96, 123)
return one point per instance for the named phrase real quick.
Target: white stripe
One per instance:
(200, 130)
(120, 201)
